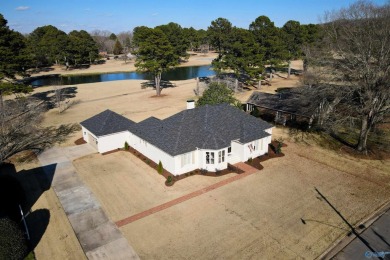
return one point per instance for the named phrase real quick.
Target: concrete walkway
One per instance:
(99, 237)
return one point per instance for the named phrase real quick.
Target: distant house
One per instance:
(207, 137)
(282, 105)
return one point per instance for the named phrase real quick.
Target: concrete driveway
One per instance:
(98, 236)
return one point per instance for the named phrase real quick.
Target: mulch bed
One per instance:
(256, 162)
(80, 141)
(174, 178)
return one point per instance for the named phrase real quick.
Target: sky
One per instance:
(123, 15)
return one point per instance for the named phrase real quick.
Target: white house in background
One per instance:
(207, 137)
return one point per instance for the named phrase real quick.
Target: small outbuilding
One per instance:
(106, 131)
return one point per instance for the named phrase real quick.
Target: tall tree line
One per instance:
(248, 51)
(45, 46)
(48, 45)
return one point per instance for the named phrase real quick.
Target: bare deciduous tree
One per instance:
(356, 54)
(20, 129)
(103, 41)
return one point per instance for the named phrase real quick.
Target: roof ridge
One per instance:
(179, 132)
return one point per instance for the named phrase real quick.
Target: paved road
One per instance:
(375, 244)
(99, 237)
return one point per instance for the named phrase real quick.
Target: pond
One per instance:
(180, 73)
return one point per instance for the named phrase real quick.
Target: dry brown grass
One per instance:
(260, 215)
(255, 217)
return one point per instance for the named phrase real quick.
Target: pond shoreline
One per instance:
(175, 74)
(118, 66)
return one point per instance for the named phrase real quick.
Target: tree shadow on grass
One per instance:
(163, 84)
(24, 188)
(37, 222)
(50, 97)
(35, 182)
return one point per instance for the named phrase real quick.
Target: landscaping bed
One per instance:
(171, 179)
(273, 152)
(80, 141)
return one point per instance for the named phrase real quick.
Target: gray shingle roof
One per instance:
(107, 122)
(284, 102)
(206, 127)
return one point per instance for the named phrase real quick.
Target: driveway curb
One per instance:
(343, 242)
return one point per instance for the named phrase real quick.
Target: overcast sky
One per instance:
(124, 15)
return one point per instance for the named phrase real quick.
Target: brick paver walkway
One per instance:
(248, 170)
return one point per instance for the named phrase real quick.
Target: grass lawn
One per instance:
(259, 216)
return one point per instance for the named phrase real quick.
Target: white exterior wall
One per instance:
(153, 153)
(112, 142)
(238, 150)
(90, 138)
(107, 142)
(85, 133)
(192, 165)
(261, 149)
(216, 166)
(174, 164)
(244, 152)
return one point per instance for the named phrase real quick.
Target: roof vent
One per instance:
(190, 104)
